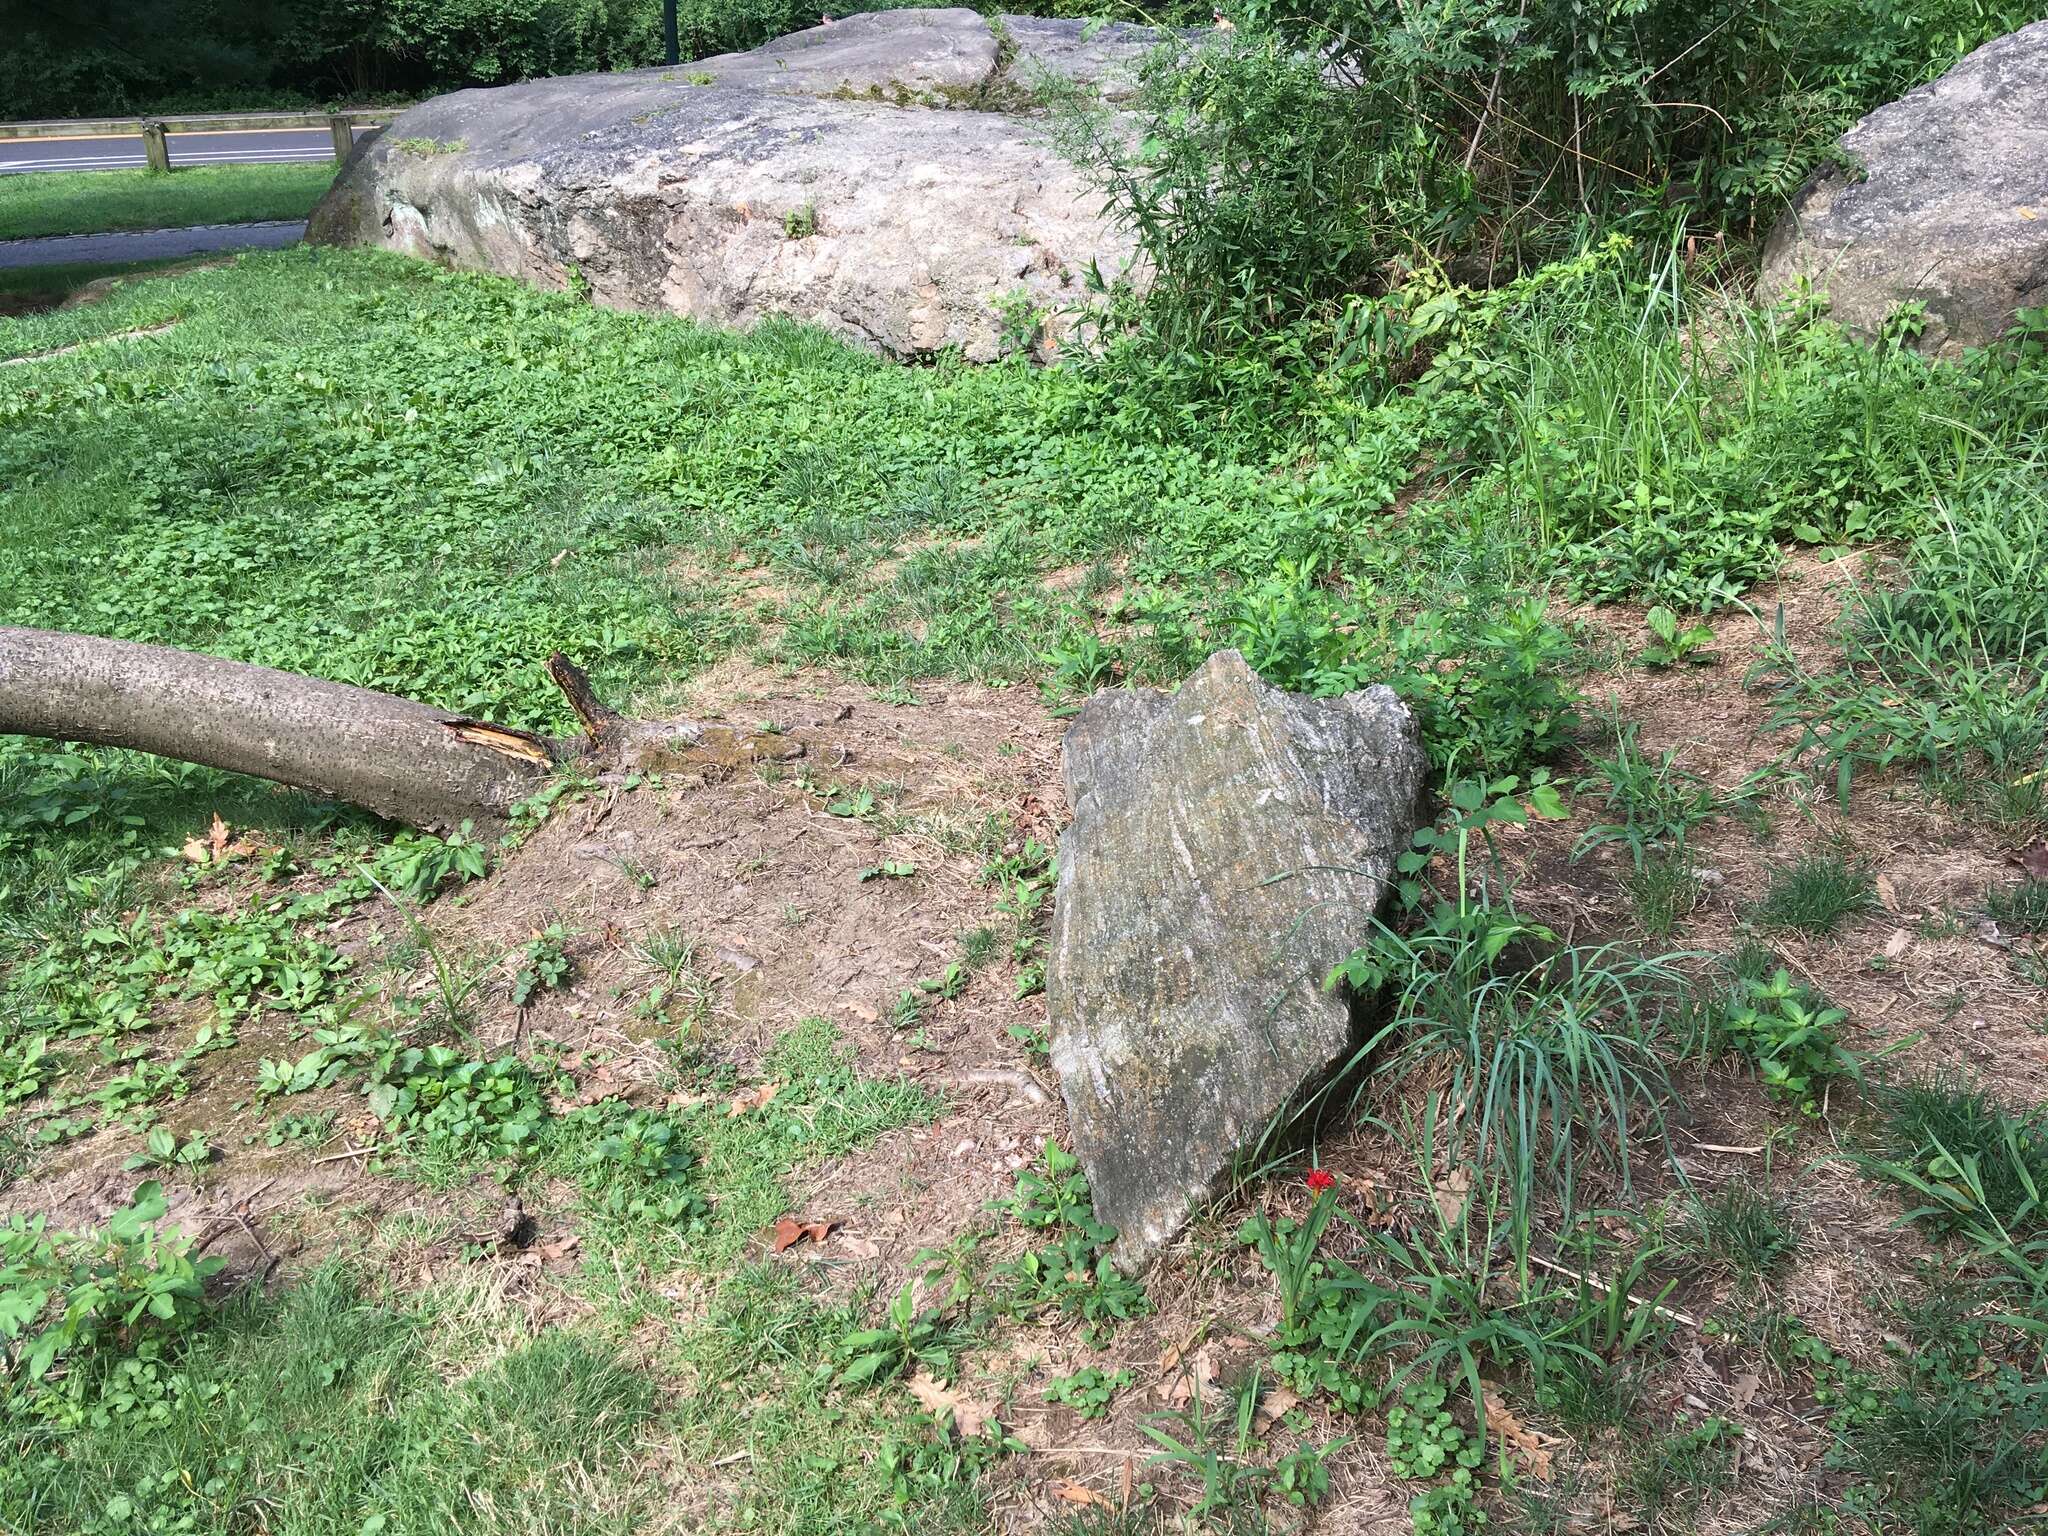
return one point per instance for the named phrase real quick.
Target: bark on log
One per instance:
(398, 758)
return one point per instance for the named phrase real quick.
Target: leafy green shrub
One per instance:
(1486, 680)
(67, 1295)
(1489, 690)
(1074, 1274)
(1088, 1391)
(452, 1104)
(1751, 1008)
(1255, 191)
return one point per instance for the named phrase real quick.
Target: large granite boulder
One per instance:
(1951, 209)
(1230, 844)
(885, 177)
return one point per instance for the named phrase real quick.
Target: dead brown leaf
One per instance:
(1195, 1380)
(600, 1085)
(789, 1232)
(1081, 1493)
(218, 846)
(1527, 1444)
(1888, 894)
(968, 1415)
(1275, 1404)
(1451, 1193)
(753, 1098)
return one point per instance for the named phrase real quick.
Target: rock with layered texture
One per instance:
(882, 177)
(1950, 209)
(1231, 843)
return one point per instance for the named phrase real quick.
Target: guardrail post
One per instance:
(344, 135)
(157, 146)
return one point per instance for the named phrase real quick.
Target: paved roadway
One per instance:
(107, 152)
(149, 244)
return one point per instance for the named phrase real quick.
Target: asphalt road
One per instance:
(149, 244)
(239, 146)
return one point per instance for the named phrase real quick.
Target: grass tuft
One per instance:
(1739, 1231)
(1814, 894)
(2021, 908)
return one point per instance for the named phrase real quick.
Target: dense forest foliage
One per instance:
(1681, 73)
(77, 57)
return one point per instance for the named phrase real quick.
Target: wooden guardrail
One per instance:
(218, 122)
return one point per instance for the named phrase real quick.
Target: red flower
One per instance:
(1319, 1180)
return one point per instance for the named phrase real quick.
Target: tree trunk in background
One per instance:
(400, 759)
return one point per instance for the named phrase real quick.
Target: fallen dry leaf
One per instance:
(218, 847)
(789, 1232)
(1081, 1493)
(1196, 1379)
(753, 1098)
(1450, 1195)
(1274, 1405)
(969, 1415)
(1895, 946)
(600, 1085)
(1887, 893)
(1743, 1390)
(1501, 1420)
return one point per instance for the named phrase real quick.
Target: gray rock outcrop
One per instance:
(881, 176)
(1230, 844)
(1951, 211)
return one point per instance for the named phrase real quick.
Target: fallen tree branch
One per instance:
(405, 760)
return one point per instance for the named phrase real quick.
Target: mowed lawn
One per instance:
(92, 202)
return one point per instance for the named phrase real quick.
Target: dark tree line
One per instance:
(68, 58)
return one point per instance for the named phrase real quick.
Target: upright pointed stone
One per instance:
(1231, 843)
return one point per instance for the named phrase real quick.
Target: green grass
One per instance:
(26, 290)
(1738, 1231)
(819, 1459)
(1945, 661)
(1813, 894)
(1978, 1161)
(94, 202)
(379, 471)
(2021, 908)
(329, 1410)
